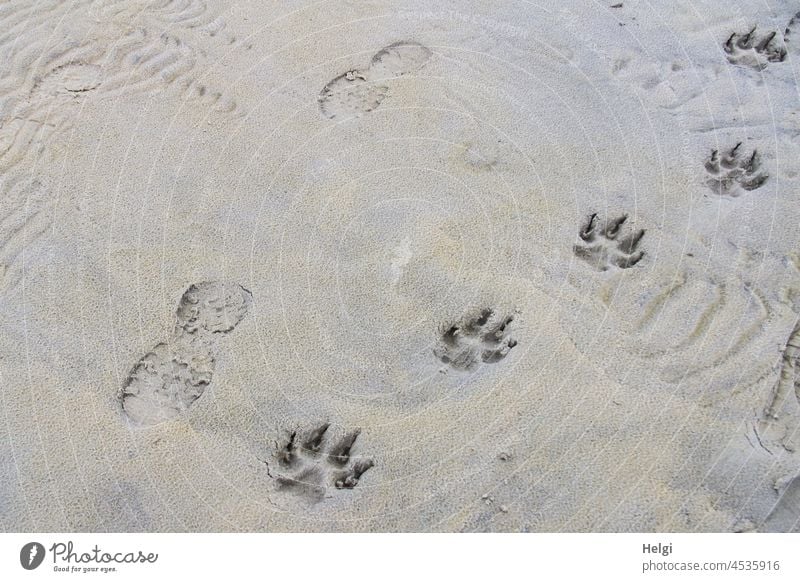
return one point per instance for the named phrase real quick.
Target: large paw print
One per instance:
(732, 173)
(485, 338)
(308, 464)
(754, 50)
(602, 247)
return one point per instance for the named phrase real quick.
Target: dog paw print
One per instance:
(754, 50)
(484, 338)
(602, 246)
(310, 463)
(733, 173)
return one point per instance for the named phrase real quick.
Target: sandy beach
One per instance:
(389, 266)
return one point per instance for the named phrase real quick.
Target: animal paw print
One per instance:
(484, 338)
(732, 173)
(310, 463)
(788, 33)
(602, 248)
(166, 381)
(360, 91)
(753, 50)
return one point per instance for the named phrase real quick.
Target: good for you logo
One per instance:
(31, 555)
(66, 558)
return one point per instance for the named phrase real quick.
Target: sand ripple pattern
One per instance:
(25, 217)
(719, 319)
(53, 55)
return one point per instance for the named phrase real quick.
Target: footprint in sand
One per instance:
(174, 374)
(359, 91)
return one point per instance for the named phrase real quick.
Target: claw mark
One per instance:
(314, 440)
(788, 33)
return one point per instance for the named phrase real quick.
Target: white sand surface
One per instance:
(332, 266)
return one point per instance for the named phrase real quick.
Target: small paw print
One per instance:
(732, 173)
(484, 338)
(602, 248)
(754, 50)
(309, 463)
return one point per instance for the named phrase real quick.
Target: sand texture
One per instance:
(399, 266)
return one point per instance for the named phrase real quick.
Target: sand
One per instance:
(396, 266)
